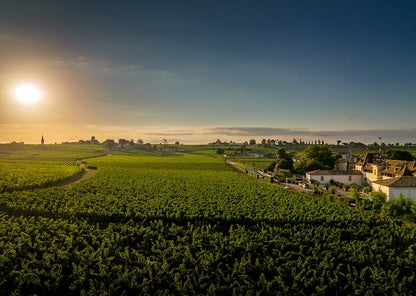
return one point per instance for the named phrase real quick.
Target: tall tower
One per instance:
(42, 141)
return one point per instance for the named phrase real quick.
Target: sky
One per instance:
(195, 71)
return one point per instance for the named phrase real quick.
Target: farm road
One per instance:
(86, 174)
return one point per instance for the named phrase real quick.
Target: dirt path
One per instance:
(84, 175)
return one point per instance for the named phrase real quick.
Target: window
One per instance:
(322, 178)
(349, 178)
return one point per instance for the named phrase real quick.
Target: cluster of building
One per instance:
(86, 142)
(393, 177)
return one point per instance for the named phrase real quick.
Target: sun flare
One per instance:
(27, 94)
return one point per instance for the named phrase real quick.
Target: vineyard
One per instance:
(24, 167)
(21, 175)
(152, 225)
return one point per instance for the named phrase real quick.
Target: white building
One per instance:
(405, 185)
(342, 176)
(393, 177)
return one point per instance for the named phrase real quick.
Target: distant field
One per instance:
(49, 152)
(254, 162)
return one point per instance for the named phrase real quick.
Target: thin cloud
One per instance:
(350, 116)
(9, 125)
(260, 131)
(171, 133)
(99, 66)
(5, 37)
(268, 131)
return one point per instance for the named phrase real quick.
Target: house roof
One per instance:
(368, 158)
(399, 167)
(368, 166)
(404, 181)
(331, 172)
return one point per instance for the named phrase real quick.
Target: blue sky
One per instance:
(197, 70)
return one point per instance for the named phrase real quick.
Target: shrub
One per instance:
(220, 151)
(400, 206)
(378, 199)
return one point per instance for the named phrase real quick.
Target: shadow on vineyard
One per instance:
(221, 223)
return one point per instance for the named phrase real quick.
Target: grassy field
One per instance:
(49, 152)
(154, 225)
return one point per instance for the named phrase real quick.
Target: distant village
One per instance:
(393, 177)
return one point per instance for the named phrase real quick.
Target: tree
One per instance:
(109, 143)
(264, 142)
(220, 151)
(400, 206)
(122, 142)
(139, 141)
(281, 154)
(285, 164)
(282, 174)
(355, 195)
(252, 142)
(306, 165)
(399, 155)
(284, 160)
(321, 154)
(378, 199)
(272, 166)
(339, 142)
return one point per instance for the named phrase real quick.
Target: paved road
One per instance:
(259, 174)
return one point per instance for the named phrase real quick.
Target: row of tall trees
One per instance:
(271, 142)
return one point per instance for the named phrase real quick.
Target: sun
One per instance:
(27, 94)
